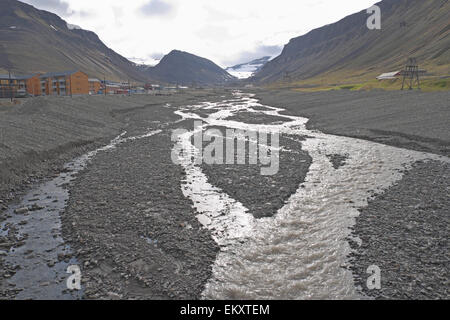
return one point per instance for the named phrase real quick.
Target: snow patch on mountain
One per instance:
(73, 27)
(151, 62)
(246, 70)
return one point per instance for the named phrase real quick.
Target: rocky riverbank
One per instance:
(404, 231)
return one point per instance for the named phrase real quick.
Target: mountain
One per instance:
(33, 40)
(183, 68)
(246, 70)
(348, 51)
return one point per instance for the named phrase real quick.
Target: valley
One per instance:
(248, 151)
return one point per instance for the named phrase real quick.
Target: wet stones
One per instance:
(64, 257)
(338, 160)
(22, 210)
(25, 210)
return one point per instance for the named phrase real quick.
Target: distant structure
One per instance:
(389, 75)
(95, 86)
(66, 83)
(287, 77)
(411, 74)
(13, 86)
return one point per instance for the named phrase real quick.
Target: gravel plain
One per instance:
(136, 235)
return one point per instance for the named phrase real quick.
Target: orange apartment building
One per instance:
(54, 83)
(95, 86)
(19, 85)
(32, 85)
(64, 83)
(8, 85)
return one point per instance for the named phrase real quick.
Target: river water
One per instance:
(301, 252)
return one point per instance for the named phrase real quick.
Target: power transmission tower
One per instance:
(287, 77)
(411, 74)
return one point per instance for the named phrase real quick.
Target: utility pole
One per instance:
(70, 80)
(104, 73)
(10, 86)
(287, 77)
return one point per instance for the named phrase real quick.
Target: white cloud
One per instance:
(225, 31)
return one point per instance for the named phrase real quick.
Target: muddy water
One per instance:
(42, 258)
(301, 252)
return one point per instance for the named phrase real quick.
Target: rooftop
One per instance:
(15, 77)
(58, 74)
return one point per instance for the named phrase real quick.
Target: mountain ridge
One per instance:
(348, 51)
(180, 67)
(33, 40)
(38, 41)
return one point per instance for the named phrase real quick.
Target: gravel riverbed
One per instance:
(404, 232)
(149, 202)
(136, 236)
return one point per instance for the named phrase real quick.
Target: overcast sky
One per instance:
(225, 31)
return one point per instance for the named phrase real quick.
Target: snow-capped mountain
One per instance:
(246, 70)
